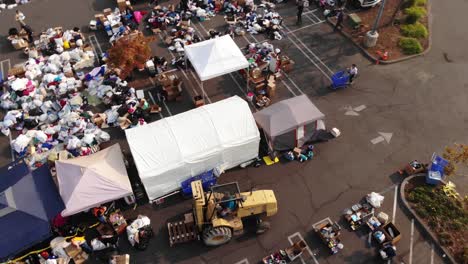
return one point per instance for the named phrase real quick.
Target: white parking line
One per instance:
(243, 261)
(154, 102)
(93, 37)
(411, 242)
(310, 11)
(297, 29)
(164, 103)
(307, 48)
(287, 86)
(317, 17)
(432, 253)
(297, 234)
(93, 47)
(305, 54)
(293, 83)
(394, 203)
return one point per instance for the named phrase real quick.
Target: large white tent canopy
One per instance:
(90, 181)
(218, 136)
(215, 57)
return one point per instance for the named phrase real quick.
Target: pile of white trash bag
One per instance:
(46, 106)
(375, 199)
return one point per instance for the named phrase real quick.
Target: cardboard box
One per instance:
(168, 40)
(99, 18)
(271, 90)
(121, 4)
(122, 259)
(17, 70)
(164, 80)
(297, 151)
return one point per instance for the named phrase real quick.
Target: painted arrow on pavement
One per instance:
(383, 137)
(354, 111)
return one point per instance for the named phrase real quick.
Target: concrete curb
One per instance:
(375, 59)
(421, 221)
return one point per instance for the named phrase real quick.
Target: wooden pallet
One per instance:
(182, 231)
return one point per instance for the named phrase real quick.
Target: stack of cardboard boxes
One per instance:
(286, 64)
(171, 85)
(123, 4)
(271, 86)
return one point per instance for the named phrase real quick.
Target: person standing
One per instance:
(29, 32)
(20, 17)
(300, 9)
(353, 71)
(339, 19)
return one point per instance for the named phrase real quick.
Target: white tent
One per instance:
(90, 181)
(218, 136)
(215, 57)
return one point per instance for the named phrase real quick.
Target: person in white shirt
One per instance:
(20, 17)
(353, 71)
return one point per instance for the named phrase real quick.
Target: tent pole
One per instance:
(185, 58)
(203, 91)
(247, 78)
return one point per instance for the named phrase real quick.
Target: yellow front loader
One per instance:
(220, 213)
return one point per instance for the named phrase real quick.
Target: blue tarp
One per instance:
(28, 201)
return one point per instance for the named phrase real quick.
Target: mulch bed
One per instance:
(388, 34)
(458, 238)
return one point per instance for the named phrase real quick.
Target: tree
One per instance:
(130, 52)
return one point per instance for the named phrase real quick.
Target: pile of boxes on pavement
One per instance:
(56, 41)
(171, 86)
(266, 65)
(119, 21)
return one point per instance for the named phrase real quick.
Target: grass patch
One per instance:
(410, 46)
(416, 30)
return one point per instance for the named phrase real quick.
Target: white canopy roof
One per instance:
(221, 135)
(90, 181)
(215, 57)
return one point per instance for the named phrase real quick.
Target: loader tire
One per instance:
(215, 236)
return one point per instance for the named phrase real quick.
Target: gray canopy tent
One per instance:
(290, 123)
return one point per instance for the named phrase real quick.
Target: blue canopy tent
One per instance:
(28, 201)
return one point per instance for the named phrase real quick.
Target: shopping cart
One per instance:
(340, 80)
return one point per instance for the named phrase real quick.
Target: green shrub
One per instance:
(414, 13)
(410, 46)
(409, 3)
(416, 30)
(420, 2)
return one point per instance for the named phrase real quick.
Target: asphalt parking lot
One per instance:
(411, 101)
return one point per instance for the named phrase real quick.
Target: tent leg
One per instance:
(203, 91)
(185, 58)
(247, 79)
